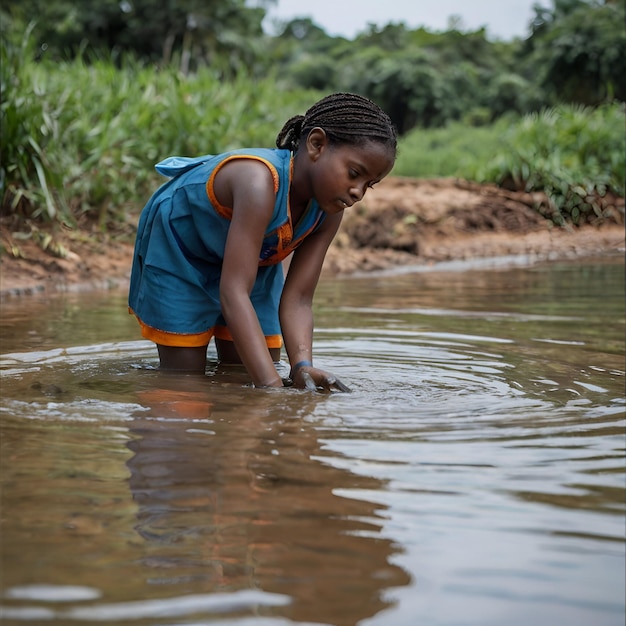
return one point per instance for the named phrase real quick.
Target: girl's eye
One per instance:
(353, 173)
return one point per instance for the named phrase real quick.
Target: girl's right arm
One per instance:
(248, 187)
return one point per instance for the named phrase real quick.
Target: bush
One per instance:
(574, 154)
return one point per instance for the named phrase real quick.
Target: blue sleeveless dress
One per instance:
(181, 235)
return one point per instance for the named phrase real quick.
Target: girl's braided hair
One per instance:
(346, 118)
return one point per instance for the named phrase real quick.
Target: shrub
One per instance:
(574, 154)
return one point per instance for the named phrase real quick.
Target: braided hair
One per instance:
(346, 118)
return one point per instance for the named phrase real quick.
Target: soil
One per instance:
(402, 222)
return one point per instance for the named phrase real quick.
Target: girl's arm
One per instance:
(296, 313)
(247, 187)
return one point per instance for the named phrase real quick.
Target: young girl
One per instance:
(211, 240)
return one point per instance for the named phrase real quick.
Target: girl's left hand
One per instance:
(313, 379)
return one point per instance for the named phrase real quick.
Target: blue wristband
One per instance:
(298, 365)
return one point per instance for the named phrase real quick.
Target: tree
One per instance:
(199, 31)
(577, 51)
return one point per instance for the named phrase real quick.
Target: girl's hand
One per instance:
(313, 379)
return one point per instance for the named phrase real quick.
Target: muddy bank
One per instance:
(402, 222)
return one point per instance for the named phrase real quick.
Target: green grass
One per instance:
(79, 140)
(456, 150)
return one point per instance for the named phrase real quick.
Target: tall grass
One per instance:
(79, 140)
(454, 150)
(29, 175)
(123, 121)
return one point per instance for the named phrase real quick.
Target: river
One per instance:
(475, 475)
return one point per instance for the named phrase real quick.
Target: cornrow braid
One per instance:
(345, 118)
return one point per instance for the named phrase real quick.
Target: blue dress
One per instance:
(175, 278)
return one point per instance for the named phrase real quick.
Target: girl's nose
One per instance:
(357, 192)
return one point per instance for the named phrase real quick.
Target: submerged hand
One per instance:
(314, 379)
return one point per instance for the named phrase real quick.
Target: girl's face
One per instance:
(340, 175)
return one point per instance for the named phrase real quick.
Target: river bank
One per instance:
(402, 223)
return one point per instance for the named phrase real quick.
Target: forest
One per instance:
(95, 92)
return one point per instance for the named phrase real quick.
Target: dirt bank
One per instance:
(401, 222)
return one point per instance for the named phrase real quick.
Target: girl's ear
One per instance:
(316, 141)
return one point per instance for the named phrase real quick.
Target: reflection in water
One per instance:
(240, 498)
(475, 475)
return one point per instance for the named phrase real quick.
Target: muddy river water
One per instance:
(474, 476)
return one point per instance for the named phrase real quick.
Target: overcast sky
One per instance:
(504, 19)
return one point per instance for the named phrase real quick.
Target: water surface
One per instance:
(474, 476)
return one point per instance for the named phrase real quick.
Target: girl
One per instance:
(210, 241)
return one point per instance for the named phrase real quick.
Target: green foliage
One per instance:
(455, 150)
(30, 180)
(577, 51)
(423, 79)
(405, 83)
(576, 155)
(221, 33)
(80, 140)
(511, 93)
(83, 121)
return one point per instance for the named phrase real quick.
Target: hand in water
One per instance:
(315, 379)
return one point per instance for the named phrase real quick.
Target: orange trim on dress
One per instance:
(284, 232)
(175, 340)
(272, 341)
(226, 211)
(282, 254)
(194, 340)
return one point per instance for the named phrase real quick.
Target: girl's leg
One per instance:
(227, 353)
(190, 360)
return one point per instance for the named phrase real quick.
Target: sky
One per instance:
(503, 19)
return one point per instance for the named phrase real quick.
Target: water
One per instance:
(474, 476)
